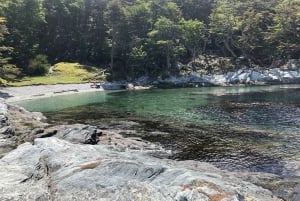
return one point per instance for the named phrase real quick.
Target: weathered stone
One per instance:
(257, 76)
(6, 145)
(54, 169)
(3, 120)
(37, 131)
(8, 131)
(78, 133)
(130, 86)
(3, 107)
(16, 125)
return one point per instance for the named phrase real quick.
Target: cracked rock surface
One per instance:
(54, 169)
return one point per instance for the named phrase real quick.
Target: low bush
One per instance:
(39, 65)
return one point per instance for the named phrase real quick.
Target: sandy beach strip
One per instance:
(14, 94)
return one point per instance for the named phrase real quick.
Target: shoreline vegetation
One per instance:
(70, 78)
(61, 73)
(135, 38)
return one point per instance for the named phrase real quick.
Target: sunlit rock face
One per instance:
(16, 126)
(54, 169)
(223, 71)
(248, 76)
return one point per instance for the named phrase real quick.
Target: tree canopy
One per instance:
(132, 38)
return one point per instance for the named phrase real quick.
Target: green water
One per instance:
(237, 128)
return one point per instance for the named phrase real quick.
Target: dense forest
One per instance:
(144, 37)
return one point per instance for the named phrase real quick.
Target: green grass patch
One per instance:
(64, 73)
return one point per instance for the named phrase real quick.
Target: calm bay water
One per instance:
(236, 128)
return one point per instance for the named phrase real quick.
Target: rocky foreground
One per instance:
(81, 162)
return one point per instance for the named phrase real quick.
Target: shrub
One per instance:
(9, 72)
(39, 65)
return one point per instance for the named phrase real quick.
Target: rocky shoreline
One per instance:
(196, 77)
(217, 72)
(81, 162)
(286, 74)
(245, 77)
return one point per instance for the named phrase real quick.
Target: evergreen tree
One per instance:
(139, 19)
(118, 38)
(7, 71)
(285, 32)
(148, 37)
(166, 35)
(3, 49)
(194, 36)
(25, 21)
(223, 25)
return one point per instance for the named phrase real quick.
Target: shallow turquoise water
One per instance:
(241, 128)
(173, 103)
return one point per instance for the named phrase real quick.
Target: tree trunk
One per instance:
(227, 46)
(112, 52)
(194, 58)
(168, 60)
(204, 46)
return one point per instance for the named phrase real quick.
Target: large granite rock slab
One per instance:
(54, 169)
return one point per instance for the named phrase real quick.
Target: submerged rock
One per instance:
(53, 169)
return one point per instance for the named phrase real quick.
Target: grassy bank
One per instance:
(63, 73)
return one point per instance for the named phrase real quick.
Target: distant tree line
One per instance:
(145, 37)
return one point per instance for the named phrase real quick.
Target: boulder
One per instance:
(76, 133)
(243, 77)
(232, 77)
(6, 131)
(3, 120)
(256, 76)
(290, 76)
(6, 145)
(275, 74)
(219, 79)
(5, 128)
(129, 86)
(3, 107)
(113, 86)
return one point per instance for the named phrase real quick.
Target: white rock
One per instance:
(219, 79)
(243, 77)
(257, 76)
